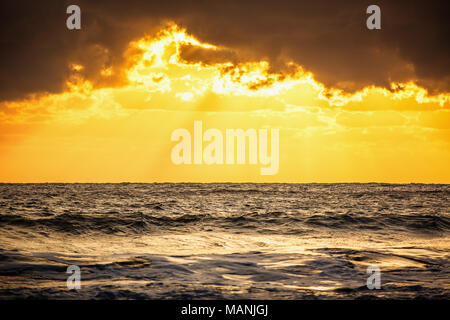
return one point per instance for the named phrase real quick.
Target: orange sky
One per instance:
(122, 133)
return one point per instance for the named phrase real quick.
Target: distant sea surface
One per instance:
(224, 241)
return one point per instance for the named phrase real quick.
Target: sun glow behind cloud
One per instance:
(122, 133)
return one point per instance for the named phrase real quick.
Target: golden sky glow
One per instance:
(122, 133)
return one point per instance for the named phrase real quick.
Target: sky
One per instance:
(100, 104)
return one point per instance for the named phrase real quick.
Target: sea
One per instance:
(224, 241)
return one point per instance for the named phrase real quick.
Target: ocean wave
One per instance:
(277, 222)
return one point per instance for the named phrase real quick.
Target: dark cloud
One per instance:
(328, 38)
(189, 53)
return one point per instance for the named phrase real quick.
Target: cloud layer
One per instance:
(328, 38)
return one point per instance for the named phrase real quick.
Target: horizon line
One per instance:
(228, 182)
